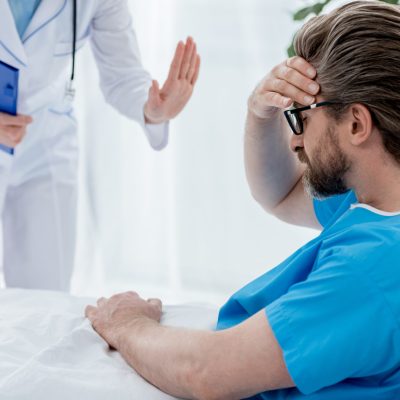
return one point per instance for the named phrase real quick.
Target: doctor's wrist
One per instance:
(151, 117)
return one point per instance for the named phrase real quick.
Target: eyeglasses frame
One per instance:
(296, 111)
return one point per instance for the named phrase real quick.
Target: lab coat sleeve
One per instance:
(123, 80)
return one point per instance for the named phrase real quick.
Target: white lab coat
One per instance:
(38, 185)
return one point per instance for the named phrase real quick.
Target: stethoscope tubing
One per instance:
(74, 26)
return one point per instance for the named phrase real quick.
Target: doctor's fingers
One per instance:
(187, 58)
(176, 62)
(196, 71)
(7, 142)
(193, 67)
(15, 120)
(12, 134)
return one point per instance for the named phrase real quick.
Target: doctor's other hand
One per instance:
(166, 103)
(293, 80)
(13, 128)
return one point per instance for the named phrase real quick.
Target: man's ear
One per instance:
(360, 124)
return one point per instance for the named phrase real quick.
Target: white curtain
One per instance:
(181, 223)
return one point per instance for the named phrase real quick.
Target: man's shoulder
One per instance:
(363, 245)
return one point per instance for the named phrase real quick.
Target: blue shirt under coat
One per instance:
(23, 12)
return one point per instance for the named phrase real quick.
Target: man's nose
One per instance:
(296, 141)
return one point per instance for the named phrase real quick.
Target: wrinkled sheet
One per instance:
(49, 351)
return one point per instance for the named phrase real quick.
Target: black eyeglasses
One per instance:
(294, 119)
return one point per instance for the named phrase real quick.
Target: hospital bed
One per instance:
(49, 351)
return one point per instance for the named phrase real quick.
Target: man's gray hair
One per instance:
(356, 51)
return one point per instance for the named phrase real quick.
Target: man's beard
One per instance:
(325, 178)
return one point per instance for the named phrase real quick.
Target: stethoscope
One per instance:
(70, 90)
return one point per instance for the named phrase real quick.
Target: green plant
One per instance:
(316, 9)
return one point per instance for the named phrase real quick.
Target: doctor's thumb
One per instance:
(22, 119)
(28, 119)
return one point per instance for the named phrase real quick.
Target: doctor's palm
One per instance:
(166, 103)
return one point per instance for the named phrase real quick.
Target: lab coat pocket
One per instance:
(6, 160)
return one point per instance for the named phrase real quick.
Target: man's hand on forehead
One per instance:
(294, 78)
(288, 83)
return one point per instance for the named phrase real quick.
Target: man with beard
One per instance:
(325, 323)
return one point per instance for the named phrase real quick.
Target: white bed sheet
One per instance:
(49, 351)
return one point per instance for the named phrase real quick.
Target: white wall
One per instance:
(182, 223)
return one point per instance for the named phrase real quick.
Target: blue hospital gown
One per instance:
(334, 306)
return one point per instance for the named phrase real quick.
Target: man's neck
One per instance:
(378, 184)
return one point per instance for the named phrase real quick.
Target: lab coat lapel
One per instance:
(47, 11)
(11, 48)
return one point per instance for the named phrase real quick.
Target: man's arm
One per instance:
(230, 364)
(273, 170)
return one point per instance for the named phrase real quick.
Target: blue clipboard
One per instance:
(8, 94)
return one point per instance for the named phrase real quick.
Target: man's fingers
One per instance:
(286, 89)
(273, 99)
(15, 120)
(176, 62)
(90, 312)
(101, 301)
(156, 302)
(298, 80)
(130, 293)
(196, 71)
(301, 65)
(186, 58)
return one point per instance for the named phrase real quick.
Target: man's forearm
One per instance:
(170, 358)
(230, 364)
(272, 169)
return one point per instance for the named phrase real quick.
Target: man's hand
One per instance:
(166, 103)
(113, 317)
(233, 363)
(288, 82)
(13, 128)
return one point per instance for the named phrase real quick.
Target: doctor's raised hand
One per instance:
(13, 129)
(167, 102)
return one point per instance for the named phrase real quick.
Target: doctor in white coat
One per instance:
(38, 184)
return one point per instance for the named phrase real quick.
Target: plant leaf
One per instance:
(317, 8)
(290, 51)
(303, 13)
